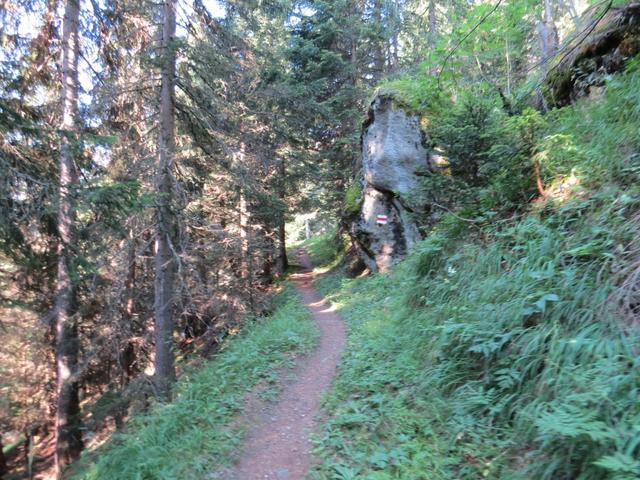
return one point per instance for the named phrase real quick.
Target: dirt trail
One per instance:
(278, 444)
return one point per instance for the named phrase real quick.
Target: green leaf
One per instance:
(619, 462)
(541, 304)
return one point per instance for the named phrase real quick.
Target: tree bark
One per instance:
(3, 461)
(127, 352)
(536, 170)
(508, 59)
(549, 42)
(283, 260)
(394, 43)
(379, 49)
(165, 261)
(548, 36)
(433, 34)
(355, 123)
(68, 433)
(570, 7)
(246, 269)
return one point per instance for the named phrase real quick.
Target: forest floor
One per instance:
(278, 445)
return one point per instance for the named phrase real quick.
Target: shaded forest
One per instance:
(161, 161)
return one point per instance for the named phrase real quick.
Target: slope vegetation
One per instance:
(198, 435)
(507, 345)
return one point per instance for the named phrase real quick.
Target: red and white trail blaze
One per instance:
(381, 219)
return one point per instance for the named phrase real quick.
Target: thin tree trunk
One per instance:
(433, 24)
(549, 42)
(68, 433)
(380, 43)
(244, 237)
(283, 260)
(355, 121)
(394, 42)
(548, 36)
(3, 461)
(570, 7)
(396, 23)
(28, 453)
(536, 170)
(508, 58)
(433, 34)
(165, 262)
(246, 269)
(127, 353)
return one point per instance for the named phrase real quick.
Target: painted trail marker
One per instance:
(381, 219)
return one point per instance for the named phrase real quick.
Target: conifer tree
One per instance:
(165, 255)
(68, 433)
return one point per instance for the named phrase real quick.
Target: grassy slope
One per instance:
(505, 350)
(195, 436)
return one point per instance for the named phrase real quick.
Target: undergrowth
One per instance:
(506, 348)
(325, 250)
(197, 434)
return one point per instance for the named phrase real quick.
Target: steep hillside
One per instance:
(473, 164)
(199, 433)
(506, 346)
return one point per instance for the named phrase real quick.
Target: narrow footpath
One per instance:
(278, 446)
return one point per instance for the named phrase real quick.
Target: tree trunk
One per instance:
(244, 222)
(283, 260)
(536, 170)
(165, 261)
(548, 36)
(508, 59)
(379, 52)
(68, 433)
(355, 121)
(549, 41)
(246, 269)
(3, 461)
(127, 352)
(394, 43)
(433, 34)
(570, 7)
(28, 453)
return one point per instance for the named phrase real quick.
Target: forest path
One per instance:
(278, 444)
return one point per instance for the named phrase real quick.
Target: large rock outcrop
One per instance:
(594, 55)
(393, 156)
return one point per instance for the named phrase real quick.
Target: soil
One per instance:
(278, 446)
